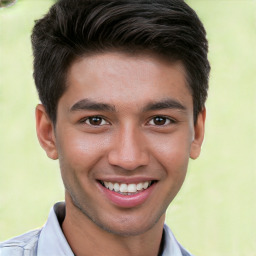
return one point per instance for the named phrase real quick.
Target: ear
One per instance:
(45, 132)
(195, 148)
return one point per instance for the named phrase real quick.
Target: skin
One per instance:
(132, 138)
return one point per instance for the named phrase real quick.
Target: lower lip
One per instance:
(127, 201)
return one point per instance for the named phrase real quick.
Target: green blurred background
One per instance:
(215, 212)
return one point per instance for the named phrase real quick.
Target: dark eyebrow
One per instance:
(87, 104)
(164, 104)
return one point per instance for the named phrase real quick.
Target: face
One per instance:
(124, 135)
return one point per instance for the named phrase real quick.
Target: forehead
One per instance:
(119, 78)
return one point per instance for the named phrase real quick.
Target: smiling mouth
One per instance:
(125, 188)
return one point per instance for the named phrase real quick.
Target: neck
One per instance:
(86, 238)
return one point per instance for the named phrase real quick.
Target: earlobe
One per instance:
(45, 132)
(198, 135)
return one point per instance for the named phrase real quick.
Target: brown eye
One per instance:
(159, 121)
(95, 121)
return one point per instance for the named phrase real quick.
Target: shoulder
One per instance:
(25, 244)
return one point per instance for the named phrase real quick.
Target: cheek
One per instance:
(172, 152)
(80, 151)
(173, 155)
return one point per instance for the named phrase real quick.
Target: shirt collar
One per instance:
(53, 242)
(171, 246)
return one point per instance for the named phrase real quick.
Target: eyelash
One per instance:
(169, 121)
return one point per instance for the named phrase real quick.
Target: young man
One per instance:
(123, 86)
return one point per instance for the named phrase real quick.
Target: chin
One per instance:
(128, 225)
(125, 230)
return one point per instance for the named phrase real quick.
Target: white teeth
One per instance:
(145, 185)
(123, 188)
(116, 187)
(106, 184)
(132, 188)
(139, 186)
(127, 188)
(110, 186)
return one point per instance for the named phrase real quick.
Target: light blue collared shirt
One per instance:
(50, 240)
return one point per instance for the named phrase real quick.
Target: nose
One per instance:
(129, 150)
